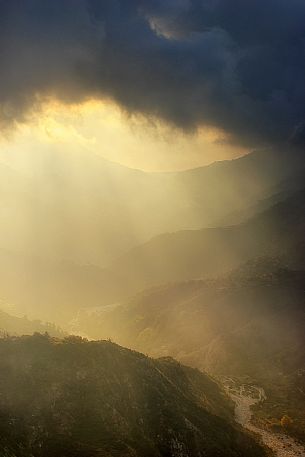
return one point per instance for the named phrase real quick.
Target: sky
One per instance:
(156, 85)
(152, 84)
(102, 128)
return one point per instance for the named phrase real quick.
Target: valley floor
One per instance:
(244, 398)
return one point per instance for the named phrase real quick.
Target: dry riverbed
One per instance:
(245, 397)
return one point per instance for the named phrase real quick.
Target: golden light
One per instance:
(102, 128)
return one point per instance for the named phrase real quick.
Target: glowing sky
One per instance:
(103, 128)
(191, 77)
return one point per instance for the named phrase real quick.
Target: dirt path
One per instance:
(244, 398)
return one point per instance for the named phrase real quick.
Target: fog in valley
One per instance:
(152, 220)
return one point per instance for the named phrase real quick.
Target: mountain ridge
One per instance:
(99, 399)
(208, 252)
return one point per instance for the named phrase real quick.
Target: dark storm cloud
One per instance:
(235, 64)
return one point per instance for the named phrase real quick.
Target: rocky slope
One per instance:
(249, 323)
(77, 398)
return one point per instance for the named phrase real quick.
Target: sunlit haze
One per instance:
(103, 128)
(152, 221)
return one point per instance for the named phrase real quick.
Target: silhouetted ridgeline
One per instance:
(59, 261)
(91, 399)
(12, 325)
(249, 323)
(213, 251)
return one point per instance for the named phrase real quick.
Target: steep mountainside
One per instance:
(210, 252)
(80, 207)
(278, 193)
(81, 399)
(250, 323)
(75, 209)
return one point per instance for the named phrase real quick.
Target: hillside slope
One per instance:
(73, 213)
(211, 252)
(82, 208)
(81, 399)
(247, 324)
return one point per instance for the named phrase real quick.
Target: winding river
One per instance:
(244, 398)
